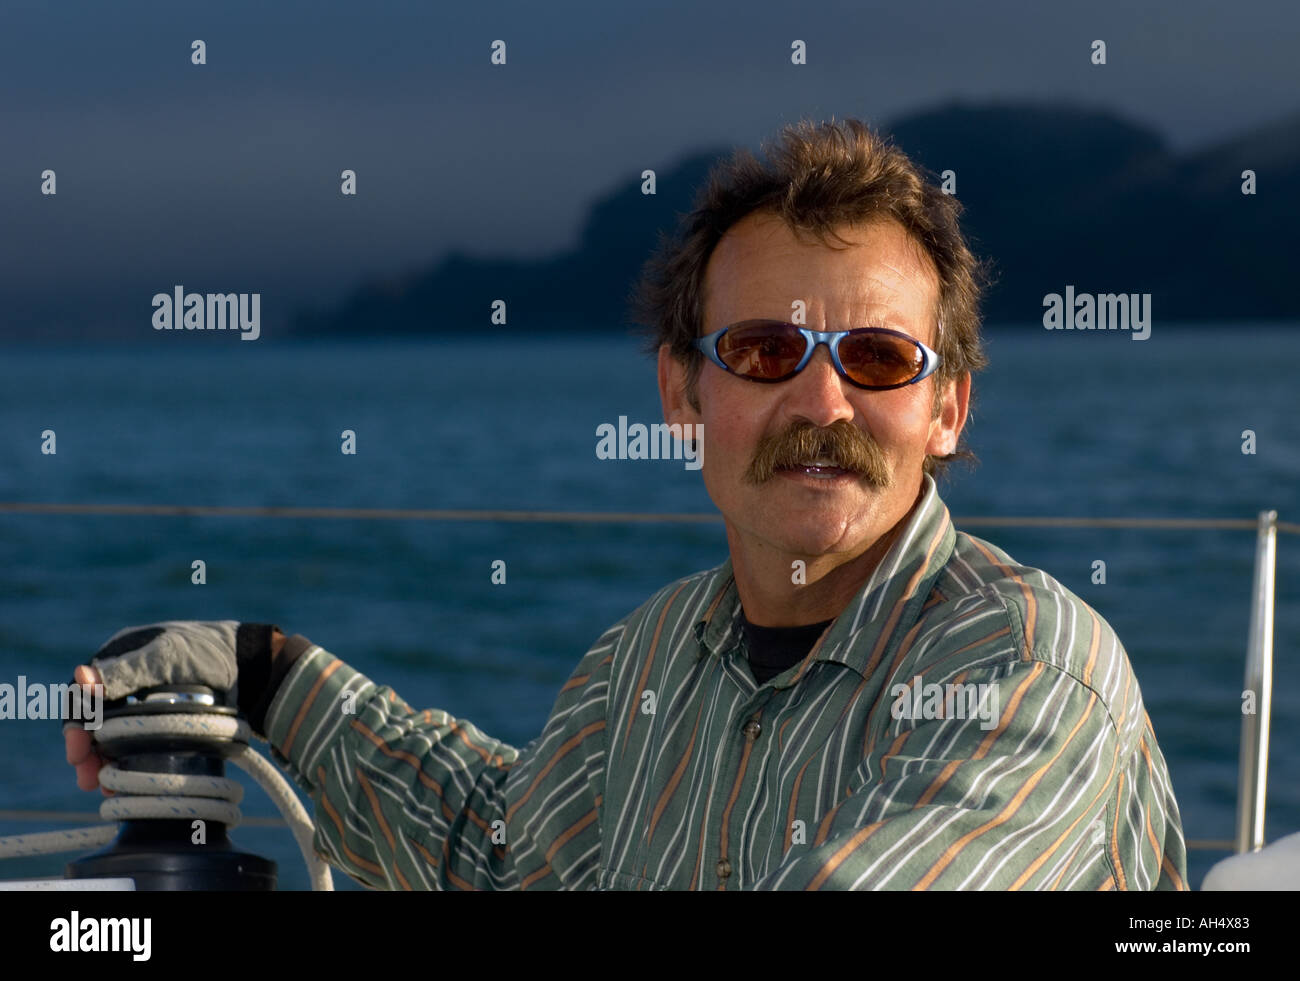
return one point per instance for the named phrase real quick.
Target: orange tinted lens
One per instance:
(880, 359)
(763, 349)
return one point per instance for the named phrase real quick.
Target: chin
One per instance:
(822, 537)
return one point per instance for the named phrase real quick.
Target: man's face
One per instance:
(883, 279)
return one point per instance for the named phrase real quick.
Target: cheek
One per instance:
(728, 440)
(900, 423)
(732, 424)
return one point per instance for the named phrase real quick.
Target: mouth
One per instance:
(819, 469)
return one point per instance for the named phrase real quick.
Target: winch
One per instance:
(168, 748)
(165, 750)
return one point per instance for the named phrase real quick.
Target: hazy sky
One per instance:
(228, 172)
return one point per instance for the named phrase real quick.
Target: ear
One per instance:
(672, 389)
(946, 427)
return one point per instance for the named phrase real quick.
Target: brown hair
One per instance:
(816, 178)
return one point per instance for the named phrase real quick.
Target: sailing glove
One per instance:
(226, 655)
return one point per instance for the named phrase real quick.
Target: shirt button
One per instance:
(724, 868)
(752, 729)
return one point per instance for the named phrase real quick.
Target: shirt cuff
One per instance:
(261, 672)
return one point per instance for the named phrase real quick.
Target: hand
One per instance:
(174, 652)
(81, 751)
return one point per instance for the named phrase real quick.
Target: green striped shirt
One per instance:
(965, 723)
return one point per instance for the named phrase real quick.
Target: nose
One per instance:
(818, 394)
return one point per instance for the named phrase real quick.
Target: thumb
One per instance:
(87, 674)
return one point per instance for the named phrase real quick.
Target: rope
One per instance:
(142, 795)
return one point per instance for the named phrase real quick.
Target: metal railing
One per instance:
(1252, 769)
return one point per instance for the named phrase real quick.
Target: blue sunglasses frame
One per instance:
(812, 338)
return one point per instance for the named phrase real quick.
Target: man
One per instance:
(860, 697)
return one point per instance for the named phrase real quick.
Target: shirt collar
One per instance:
(880, 613)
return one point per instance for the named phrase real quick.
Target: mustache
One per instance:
(843, 444)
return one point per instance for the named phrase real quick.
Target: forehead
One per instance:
(869, 274)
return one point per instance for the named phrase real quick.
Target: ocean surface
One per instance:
(1076, 424)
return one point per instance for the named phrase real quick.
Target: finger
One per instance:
(88, 772)
(78, 744)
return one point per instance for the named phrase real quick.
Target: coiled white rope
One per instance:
(141, 795)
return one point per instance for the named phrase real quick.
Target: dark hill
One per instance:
(1054, 195)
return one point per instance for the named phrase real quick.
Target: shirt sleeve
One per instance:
(421, 800)
(1048, 796)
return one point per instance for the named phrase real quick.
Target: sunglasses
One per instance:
(874, 358)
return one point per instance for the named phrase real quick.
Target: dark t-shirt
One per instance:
(773, 649)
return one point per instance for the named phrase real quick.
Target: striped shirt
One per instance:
(965, 723)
